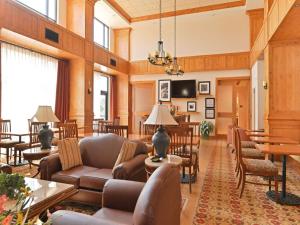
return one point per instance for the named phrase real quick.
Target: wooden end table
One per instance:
(150, 166)
(37, 153)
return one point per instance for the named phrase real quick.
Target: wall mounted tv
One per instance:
(184, 89)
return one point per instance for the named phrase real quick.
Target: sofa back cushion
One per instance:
(69, 153)
(153, 205)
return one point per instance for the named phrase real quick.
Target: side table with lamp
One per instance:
(161, 116)
(45, 114)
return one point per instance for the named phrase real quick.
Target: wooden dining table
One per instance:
(282, 150)
(273, 140)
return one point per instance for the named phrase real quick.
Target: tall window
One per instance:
(101, 33)
(28, 80)
(46, 7)
(101, 96)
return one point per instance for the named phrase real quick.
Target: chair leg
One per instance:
(243, 182)
(276, 188)
(183, 171)
(7, 156)
(240, 179)
(238, 171)
(190, 178)
(270, 188)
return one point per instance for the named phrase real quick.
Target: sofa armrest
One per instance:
(121, 194)
(49, 165)
(63, 217)
(133, 169)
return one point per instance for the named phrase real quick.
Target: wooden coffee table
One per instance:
(47, 194)
(37, 153)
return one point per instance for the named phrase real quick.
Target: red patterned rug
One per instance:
(219, 201)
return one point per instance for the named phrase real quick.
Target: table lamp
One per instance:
(161, 116)
(45, 114)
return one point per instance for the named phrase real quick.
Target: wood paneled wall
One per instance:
(122, 42)
(229, 61)
(256, 19)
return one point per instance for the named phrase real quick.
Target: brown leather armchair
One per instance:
(127, 202)
(99, 155)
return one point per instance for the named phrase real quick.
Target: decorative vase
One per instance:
(45, 137)
(161, 142)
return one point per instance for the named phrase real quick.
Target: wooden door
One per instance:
(232, 103)
(143, 99)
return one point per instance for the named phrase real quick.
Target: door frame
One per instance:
(133, 84)
(234, 105)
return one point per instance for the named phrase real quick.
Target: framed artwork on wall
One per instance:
(209, 113)
(204, 87)
(191, 106)
(164, 90)
(209, 102)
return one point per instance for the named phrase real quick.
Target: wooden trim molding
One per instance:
(119, 9)
(191, 10)
(227, 61)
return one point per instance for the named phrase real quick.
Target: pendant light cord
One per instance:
(175, 28)
(160, 20)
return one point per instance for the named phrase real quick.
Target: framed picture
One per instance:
(164, 90)
(209, 113)
(192, 106)
(204, 87)
(209, 102)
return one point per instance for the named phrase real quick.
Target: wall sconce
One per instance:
(265, 85)
(90, 90)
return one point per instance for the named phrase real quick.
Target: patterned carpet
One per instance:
(219, 201)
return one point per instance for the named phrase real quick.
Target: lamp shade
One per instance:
(44, 114)
(160, 115)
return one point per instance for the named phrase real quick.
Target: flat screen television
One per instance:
(184, 89)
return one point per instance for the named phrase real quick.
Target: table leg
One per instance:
(285, 198)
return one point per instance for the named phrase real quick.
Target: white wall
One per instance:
(257, 73)
(215, 32)
(199, 76)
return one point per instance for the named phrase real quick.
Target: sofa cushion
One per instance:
(116, 216)
(95, 179)
(69, 153)
(72, 176)
(127, 152)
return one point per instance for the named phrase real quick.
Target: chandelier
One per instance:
(174, 68)
(160, 57)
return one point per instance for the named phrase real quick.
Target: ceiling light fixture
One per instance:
(174, 68)
(160, 57)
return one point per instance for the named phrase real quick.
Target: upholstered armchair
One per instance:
(129, 202)
(99, 155)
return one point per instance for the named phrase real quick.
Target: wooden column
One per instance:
(80, 15)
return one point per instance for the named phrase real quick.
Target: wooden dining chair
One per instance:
(102, 126)
(71, 121)
(116, 121)
(247, 153)
(181, 145)
(254, 167)
(6, 141)
(96, 125)
(68, 130)
(118, 130)
(34, 128)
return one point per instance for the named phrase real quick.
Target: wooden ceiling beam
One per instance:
(191, 10)
(119, 9)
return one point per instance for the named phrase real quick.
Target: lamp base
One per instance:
(45, 137)
(161, 142)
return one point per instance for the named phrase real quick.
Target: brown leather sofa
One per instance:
(99, 155)
(4, 168)
(158, 202)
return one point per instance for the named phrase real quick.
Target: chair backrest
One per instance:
(116, 121)
(96, 125)
(181, 141)
(118, 130)
(102, 126)
(146, 129)
(34, 128)
(68, 130)
(5, 127)
(71, 121)
(238, 145)
(153, 205)
(194, 125)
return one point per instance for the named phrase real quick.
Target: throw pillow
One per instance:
(126, 153)
(69, 153)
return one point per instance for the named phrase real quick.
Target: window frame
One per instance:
(40, 13)
(108, 34)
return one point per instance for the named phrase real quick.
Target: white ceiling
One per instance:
(108, 15)
(136, 8)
